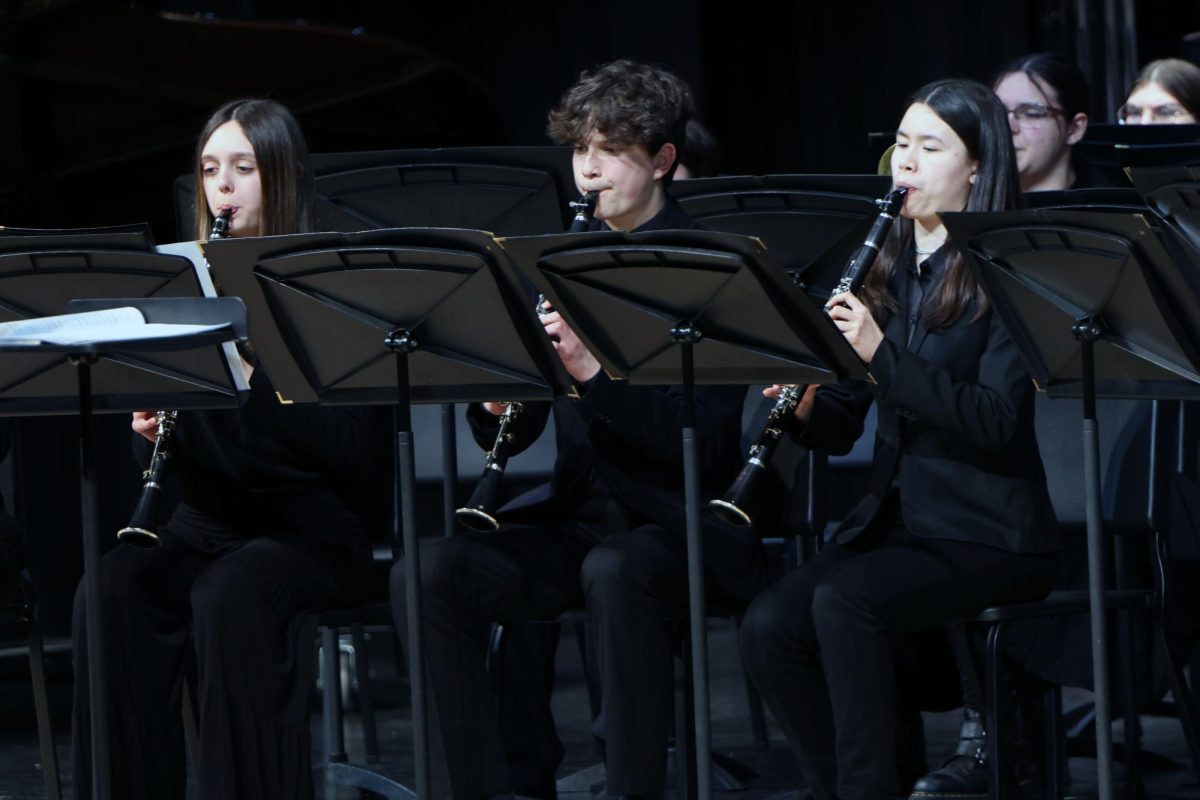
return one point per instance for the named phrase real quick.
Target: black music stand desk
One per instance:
(1096, 306)
(686, 307)
(391, 317)
(812, 224)
(219, 320)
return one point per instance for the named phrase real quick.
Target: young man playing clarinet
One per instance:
(607, 534)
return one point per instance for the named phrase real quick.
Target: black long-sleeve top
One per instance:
(956, 434)
(268, 469)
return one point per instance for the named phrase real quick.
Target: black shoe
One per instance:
(964, 774)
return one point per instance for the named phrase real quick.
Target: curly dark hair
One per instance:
(628, 102)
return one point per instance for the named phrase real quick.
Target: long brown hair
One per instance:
(289, 195)
(978, 117)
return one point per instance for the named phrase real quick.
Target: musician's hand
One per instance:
(804, 407)
(578, 360)
(856, 324)
(493, 408)
(145, 424)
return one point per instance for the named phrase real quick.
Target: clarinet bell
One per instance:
(479, 512)
(732, 508)
(477, 519)
(140, 530)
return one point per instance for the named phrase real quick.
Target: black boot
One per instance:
(964, 774)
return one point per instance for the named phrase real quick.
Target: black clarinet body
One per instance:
(860, 264)
(480, 511)
(735, 507)
(584, 207)
(141, 528)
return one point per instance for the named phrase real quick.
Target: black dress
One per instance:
(263, 533)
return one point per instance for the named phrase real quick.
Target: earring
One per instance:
(972, 177)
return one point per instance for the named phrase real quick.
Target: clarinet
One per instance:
(141, 528)
(584, 208)
(734, 506)
(479, 513)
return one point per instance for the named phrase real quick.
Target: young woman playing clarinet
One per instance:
(263, 533)
(958, 517)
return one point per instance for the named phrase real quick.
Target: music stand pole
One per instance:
(402, 343)
(687, 335)
(1088, 331)
(97, 673)
(449, 469)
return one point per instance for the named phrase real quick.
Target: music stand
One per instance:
(812, 224)
(681, 307)
(228, 316)
(1094, 303)
(391, 317)
(1108, 150)
(509, 191)
(41, 271)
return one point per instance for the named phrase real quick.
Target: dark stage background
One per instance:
(100, 104)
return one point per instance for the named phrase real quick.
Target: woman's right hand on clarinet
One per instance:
(145, 424)
(494, 408)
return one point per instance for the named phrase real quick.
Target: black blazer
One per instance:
(629, 437)
(955, 434)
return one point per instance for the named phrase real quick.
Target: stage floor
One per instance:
(770, 771)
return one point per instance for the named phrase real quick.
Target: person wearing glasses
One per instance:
(1165, 92)
(1047, 100)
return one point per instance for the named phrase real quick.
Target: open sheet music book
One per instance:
(111, 325)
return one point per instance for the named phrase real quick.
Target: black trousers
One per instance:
(819, 644)
(242, 607)
(626, 581)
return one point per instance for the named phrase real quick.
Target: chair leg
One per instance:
(1054, 744)
(331, 703)
(685, 727)
(999, 787)
(37, 671)
(366, 704)
(1181, 696)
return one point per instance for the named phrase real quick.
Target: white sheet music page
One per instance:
(109, 325)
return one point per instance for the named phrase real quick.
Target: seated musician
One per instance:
(607, 534)
(1046, 97)
(958, 517)
(1047, 101)
(262, 534)
(1165, 92)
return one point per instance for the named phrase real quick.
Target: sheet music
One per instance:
(110, 325)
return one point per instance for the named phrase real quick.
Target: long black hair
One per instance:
(289, 196)
(978, 117)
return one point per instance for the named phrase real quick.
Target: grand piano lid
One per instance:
(109, 100)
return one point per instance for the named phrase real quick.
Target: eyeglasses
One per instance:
(1033, 115)
(1130, 114)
